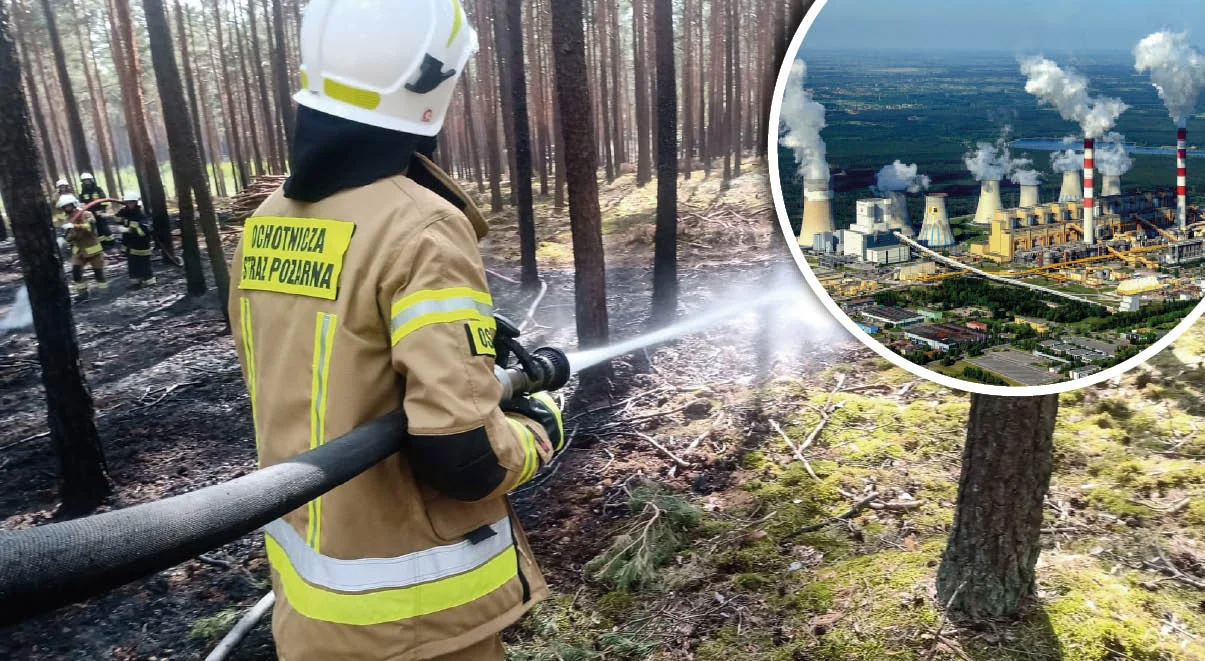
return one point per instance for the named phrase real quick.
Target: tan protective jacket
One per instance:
(344, 310)
(81, 234)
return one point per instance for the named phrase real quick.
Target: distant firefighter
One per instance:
(80, 226)
(136, 240)
(90, 192)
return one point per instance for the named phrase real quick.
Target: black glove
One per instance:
(542, 408)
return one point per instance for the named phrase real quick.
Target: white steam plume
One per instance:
(804, 118)
(1069, 160)
(19, 315)
(1067, 91)
(900, 177)
(1112, 157)
(1026, 177)
(1177, 70)
(993, 162)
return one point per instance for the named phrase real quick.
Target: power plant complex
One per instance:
(1095, 250)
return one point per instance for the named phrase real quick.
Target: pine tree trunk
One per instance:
(581, 174)
(688, 88)
(493, 154)
(665, 262)
(125, 56)
(108, 142)
(186, 159)
(253, 121)
(233, 135)
(94, 101)
(738, 93)
(605, 99)
(37, 109)
(617, 66)
(280, 64)
(639, 53)
(521, 128)
(83, 480)
(79, 139)
(190, 85)
(988, 566)
(265, 104)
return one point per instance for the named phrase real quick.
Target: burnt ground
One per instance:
(174, 416)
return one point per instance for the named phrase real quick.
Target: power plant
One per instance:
(1182, 177)
(1072, 191)
(817, 211)
(1089, 190)
(936, 232)
(989, 201)
(1110, 185)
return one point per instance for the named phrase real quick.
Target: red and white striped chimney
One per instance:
(1182, 178)
(1089, 196)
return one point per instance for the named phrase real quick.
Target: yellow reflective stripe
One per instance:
(324, 340)
(457, 22)
(142, 253)
(437, 306)
(361, 98)
(92, 250)
(531, 456)
(390, 605)
(249, 351)
(305, 79)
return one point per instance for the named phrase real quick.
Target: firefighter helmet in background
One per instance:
(87, 176)
(66, 201)
(362, 61)
(131, 197)
(62, 183)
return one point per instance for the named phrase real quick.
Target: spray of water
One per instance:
(800, 300)
(19, 315)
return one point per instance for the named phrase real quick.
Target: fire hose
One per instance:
(50, 566)
(163, 250)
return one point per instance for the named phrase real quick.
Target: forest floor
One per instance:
(731, 548)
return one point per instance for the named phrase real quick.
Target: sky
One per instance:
(1010, 25)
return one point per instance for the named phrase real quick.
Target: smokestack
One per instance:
(935, 232)
(897, 218)
(1072, 192)
(989, 202)
(1089, 197)
(1110, 184)
(1029, 196)
(1181, 177)
(817, 210)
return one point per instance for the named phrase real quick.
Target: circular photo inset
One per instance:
(1011, 210)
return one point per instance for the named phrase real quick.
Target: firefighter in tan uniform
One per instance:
(358, 288)
(80, 234)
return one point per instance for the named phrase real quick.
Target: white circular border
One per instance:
(864, 337)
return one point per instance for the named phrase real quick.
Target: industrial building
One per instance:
(943, 337)
(871, 238)
(892, 317)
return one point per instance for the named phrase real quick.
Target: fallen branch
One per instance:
(798, 452)
(662, 448)
(941, 623)
(898, 505)
(531, 312)
(850, 513)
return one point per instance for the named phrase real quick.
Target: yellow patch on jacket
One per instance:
(299, 256)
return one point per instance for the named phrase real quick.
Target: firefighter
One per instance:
(90, 191)
(64, 187)
(80, 227)
(358, 287)
(135, 231)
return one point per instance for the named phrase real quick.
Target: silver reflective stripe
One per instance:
(412, 312)
(386, 573)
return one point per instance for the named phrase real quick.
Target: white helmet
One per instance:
(131, 197)
(61, 183)
(87, 176)
(361, 63)
(66, 201)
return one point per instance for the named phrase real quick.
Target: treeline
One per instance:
(1154, 315)
(1002, 301)
(982, 376)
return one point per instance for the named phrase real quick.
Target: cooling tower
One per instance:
(817, 210)
(1072, 191)
(897, 218)
(1089, 197)
(1110, 184)
(1029, 196)
(989, 202)
(935, 232)
(1181, 178)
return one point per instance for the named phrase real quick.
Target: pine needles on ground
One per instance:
(659, 531)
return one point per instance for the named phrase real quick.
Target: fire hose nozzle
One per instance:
(521, 372)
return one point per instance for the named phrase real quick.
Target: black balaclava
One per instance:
(331, 154)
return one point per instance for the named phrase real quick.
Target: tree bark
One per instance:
(190, 85)
(639, 53)
(257, 65)
(224, 77)
(129, 70)
(94, 101)
(665, 260)
(79, 139)
(280, 64)
(988, 566)
(37, 109)
(253, 122)
(581, 172)
(83, 480)
(521, 128)
(186, 159)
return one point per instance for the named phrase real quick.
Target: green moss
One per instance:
(616, 603)
(1111, 502)
(754, 460)
(751, 582)
(1195, 514)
